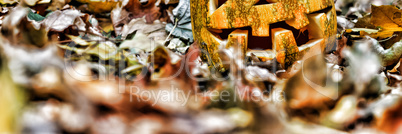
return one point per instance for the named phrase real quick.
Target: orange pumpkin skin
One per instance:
(316, 16)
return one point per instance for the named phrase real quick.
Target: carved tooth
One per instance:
(316, 28)
(238, 38)
(299, 21)
(284, 46)
(316, 5)
(213, 43)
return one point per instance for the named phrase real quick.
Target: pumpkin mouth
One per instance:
(262, 43)
(303, 36)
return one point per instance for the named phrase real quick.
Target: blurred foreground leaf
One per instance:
(11, 100)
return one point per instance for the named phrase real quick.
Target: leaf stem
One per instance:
(174, 27)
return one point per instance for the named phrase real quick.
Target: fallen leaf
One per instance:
(177, 45)
(119, 17)
(141, 42)
(170, 1)
(8, 1)
(18, 29)
(388, 18)
(373, 33)
(93, 5)
(104, 51)
(60, 20)
(155, 29)
(57, 4)
(396, 68)
(11, 96)
(344, 23)
(388, 56)
(387, 112)
(397, 3)
(364, 22)
(149, 9)
(34, 2)
(182, 23)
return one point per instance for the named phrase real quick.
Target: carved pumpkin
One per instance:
(275, 24)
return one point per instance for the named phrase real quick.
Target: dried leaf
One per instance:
(34, 2)
(149, 9)
(364, 22)
(8, 1)
(182, 26)
(155, 29)
(18, 29)
(119, 17)
(170, 1)
(177, 45)
(104, 51)
(385, 18)
(11, 96)
(60, 20)
(57, 4)
(343, 24)
(140, 41)
(94, 5)
(373, 33)
(388, 56)
(344, 112)
(388, 18)
(397, 3)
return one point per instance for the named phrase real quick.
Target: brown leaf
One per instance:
(96, 6)
(364, 22)
(155, 29)
(139, 9)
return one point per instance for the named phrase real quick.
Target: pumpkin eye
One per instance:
(263, 2)
(220, 2)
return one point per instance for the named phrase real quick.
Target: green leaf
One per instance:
(34, 16)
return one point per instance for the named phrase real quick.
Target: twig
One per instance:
(174, 27)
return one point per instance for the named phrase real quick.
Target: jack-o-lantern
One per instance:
(284, 29)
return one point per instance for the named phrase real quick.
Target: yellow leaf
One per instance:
(387, 18)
